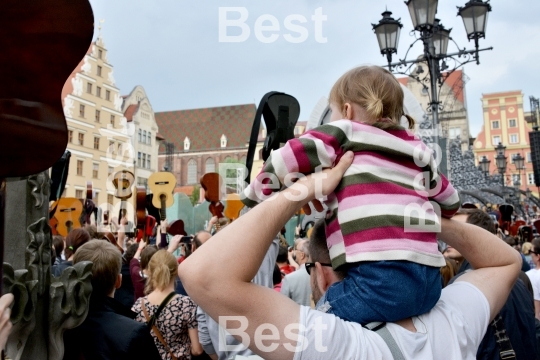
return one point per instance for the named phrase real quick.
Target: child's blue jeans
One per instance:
(383, 291)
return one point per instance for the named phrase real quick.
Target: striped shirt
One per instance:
(386, 205)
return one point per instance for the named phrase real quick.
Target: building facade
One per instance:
(141, 121)
(198, 140)
(98, 138)
(453, 117)
(505, 122)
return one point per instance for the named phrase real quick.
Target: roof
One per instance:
(204, 127)
(403, 80)
(159, 136)
(130, 111)
(502, 94)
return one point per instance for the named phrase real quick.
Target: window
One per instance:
(110, 199)
(209, 166)
(111, 147)
(148, 162)
(140, 135)
(187, 143)
(139, 159)
(96, 197)
(70, 136)
(99, 70)
(529, 157)
(98, 115)
(95, 171)
(108, 95)
(454, 133)
(143, 163)
(144, 136)
(100, 54)
(223, 141)
(98, 91)
(514, 139)
(496, 140)
(89, 88)
(495, 124)
(530, 178)
(192, 172)
(79, 167)
(112, 120)
(81, 139)
(512, 123)
(142, 182)
(81, 111)
(78, 194)
(515, 179)
(96, 143)
(149, 138)
(296, 130)
(109, 170)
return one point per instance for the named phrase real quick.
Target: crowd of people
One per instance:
(373, 280)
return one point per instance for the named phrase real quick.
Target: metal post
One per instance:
(433, 64)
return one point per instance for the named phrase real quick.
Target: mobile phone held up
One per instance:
(186, 239)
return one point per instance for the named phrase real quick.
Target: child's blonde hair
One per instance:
(162, 269)
(375, 89)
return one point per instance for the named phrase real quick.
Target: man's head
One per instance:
(200, 238)
(471, 216)
(301, 251)
(321, 276)
(283, 256)
(107, 263)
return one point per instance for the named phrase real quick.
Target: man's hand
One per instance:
(5, 323)
(163, 226)
(319, 184)
(174, 243)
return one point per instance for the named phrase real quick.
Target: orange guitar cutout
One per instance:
(234, 206)
(68, 213)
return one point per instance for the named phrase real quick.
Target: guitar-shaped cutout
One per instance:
(123, 181)
(176, 228)
(211, 183)
(68, 213)
(162, 185)
(234, 206)
(89, 206)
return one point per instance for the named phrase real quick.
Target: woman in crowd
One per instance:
(171, 317)
(138, 266)
(74, 240)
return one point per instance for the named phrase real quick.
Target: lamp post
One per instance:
(484, 165)
(500, 160)
(435, 38)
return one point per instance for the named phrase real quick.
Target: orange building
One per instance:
(505, 122)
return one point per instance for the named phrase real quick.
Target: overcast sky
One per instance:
(172, 48)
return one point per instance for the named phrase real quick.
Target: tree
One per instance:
(195, 195)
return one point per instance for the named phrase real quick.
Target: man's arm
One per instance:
(497, 264)
(537, 309)
(219, 280)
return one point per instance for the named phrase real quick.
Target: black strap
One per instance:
(255, 131)
(506, 350)
(164, 303)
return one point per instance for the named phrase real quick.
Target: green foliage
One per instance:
(195, 195)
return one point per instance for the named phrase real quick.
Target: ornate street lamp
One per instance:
(501, 149)
(500, 160)
(387, 31)
(484, 165)
(435, 39)
(519, 161)
(440, 39)
(475, 15)
(422, 13)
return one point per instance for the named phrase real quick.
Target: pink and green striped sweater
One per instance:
(373, 213)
